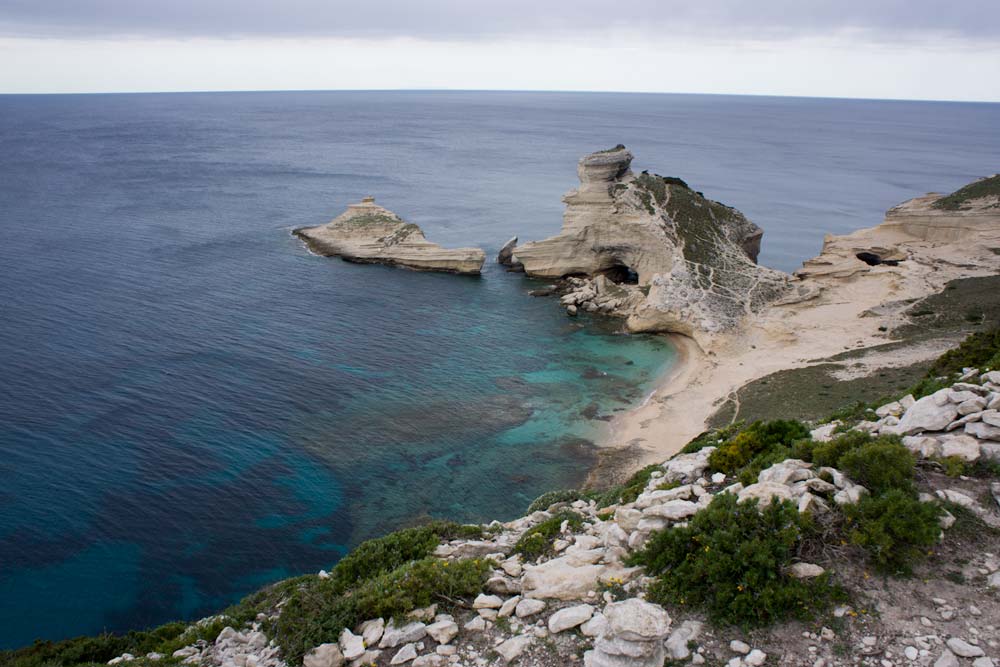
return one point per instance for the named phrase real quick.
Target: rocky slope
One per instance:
(582, 599)
(653, 250)
(370, 234)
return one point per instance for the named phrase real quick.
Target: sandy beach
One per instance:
(855, 307)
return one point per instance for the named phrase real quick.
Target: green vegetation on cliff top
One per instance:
(958, 200)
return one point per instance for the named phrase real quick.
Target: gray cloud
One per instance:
(479, 19)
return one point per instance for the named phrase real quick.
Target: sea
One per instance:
(192, 405)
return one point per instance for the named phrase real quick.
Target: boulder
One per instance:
(895, 409)
(805, 570)
(786, 472)
(528, 607)
(324, 655)
(765, 492)
(637, 620)
(442, 631)
(983, 431)
(991, 417)
(560, 579)
(927, 414)
(672, 510)
(946, 659)
(570, 617)
(405, 654)
(394, 636)
(964, 649)
(371, 631)
(595, 626)
(962, 446)
(677, 643)
(687, 467)
(351, 645)
(923, 446)
(484, 601)
(512, 648)
(973, 405)
(633, 636)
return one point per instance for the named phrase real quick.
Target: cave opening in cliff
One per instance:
(622, 275)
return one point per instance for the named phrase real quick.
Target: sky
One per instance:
(900, 49)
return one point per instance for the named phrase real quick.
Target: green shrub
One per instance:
(317, 612)
(713, 438)
(881, 465)
(756, 439)
(630, 490)
(384, 554)
(732, 559)
(96, 649)
(538, 540)
(979, 350)
(957, 200)
(894, 528)
(546, 500)
(853, 413)
(830, 452)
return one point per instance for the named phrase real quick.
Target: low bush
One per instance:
(756, 439)
(713, 438)
(317, 612)
(96, 649)
(384, 554)
(732, 559)
(538, 540)
(829, 453)
(881, 465)
(895, 529)
(630, 490)
(546, 500)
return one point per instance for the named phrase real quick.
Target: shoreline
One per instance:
(856, 308)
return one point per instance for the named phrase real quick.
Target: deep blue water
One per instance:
(192, 405)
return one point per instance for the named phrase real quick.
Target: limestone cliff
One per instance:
(370, 234)
(671, 259)
(920, 236)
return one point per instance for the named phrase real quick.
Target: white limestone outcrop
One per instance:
(370, 234)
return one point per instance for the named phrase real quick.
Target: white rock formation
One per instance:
(695, 257)
(634, 636)
(370, 234)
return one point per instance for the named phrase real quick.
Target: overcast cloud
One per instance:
(878, 20)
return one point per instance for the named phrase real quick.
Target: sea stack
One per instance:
(371, 234)
(655, 251)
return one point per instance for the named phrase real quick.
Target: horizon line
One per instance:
(489, 90)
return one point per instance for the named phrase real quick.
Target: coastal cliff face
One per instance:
(369, 233)
(653, 250)
(918, 238)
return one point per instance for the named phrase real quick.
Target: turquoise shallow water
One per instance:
(191, 405)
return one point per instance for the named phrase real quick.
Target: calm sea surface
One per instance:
(191, 405)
